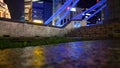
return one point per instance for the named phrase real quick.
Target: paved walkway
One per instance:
(84, 54)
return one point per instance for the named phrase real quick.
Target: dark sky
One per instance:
(16, 8)
(83, 3)
(86, 3)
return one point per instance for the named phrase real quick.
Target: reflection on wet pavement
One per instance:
(85, 54)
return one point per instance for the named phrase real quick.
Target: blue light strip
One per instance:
(79, 16)
(58, 11)
(96, 12)
(89, 10)
(92, 8)
(95, 7)
(58, 22)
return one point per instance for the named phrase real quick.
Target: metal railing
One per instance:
(97, 7)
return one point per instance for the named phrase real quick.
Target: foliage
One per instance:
(24, 42)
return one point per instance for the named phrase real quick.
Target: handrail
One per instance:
(96, 12)
(79, 16)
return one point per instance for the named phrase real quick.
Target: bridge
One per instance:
(81, 17)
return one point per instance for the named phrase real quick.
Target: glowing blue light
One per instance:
(58, 11)
(75, 50)
(83, 14)
(96, 12)
(79, 16)
(58, 22)
(89, 12)
(99, 4)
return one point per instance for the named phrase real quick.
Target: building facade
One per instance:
(38, 10)
(73, 12)
(28, 10)
(42, 10)
(4, 12)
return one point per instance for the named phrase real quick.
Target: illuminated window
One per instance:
(35, 11)
(27, 6)
(26, 17)
(41, 2)
(34, 15)
(26, 10)
(77, 24)
(73, 9)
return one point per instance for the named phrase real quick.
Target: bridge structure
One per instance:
(84, 15)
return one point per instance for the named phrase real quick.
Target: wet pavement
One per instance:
(83, 54)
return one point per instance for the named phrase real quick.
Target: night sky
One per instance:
(82, 3)
(16, 7)
(86, 3)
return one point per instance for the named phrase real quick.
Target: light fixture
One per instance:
(38, 21)
(73, 9)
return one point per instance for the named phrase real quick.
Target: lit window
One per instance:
(41, 2)
(27, 5)
(26, 10)
(34, 15)
(73, 9)
(26, 18)
(77, 24)
(35, 11)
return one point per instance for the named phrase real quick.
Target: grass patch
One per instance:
(24, 42)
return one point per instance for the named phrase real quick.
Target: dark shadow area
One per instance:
(16, 8)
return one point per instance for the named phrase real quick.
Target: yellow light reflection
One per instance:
(5, 59)
(38, 21)
(39, 57)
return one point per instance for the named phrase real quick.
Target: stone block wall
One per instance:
(102, 31)
(14, 29)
